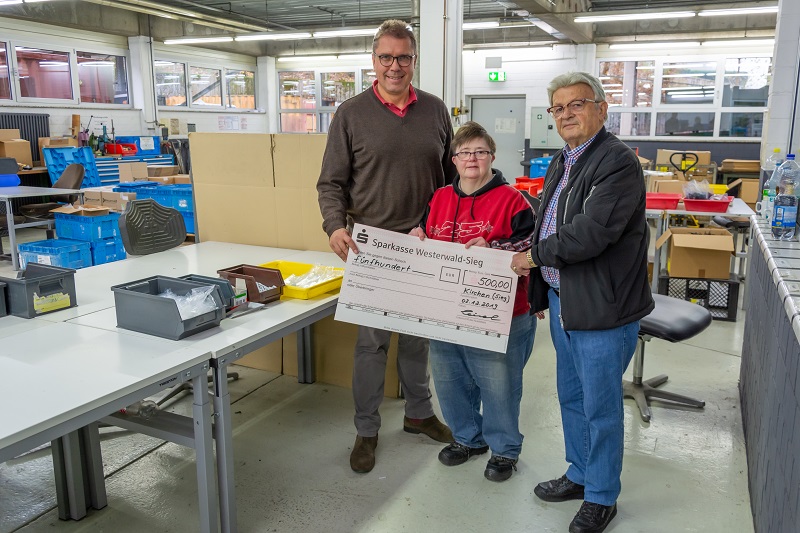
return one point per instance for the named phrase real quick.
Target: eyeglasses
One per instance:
(479, 154)
(576, 106)
(386, 60)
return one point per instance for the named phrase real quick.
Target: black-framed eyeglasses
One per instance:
(387, 59)
(479, 154)
(576, 106)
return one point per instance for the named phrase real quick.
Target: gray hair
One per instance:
(397, 29)
(574, 78)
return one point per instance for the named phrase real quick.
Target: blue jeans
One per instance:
(465, 377)
(589, 368)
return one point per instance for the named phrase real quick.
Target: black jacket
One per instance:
(600, 244)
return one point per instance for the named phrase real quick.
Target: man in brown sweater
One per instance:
(388, 150)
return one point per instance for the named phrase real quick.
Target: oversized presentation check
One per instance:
(434, 289)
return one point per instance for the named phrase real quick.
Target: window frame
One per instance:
(715, 107)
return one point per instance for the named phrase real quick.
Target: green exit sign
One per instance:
(497, 76)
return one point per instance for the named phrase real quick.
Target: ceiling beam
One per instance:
(553, 16)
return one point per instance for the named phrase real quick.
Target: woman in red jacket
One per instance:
(481, 209)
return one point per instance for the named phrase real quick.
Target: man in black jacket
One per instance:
(588, 263)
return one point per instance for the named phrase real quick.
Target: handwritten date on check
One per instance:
(434, 289)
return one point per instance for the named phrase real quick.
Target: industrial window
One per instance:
(43, 73)
(205, 86)
(170, 83)
(712, 97)
(5, 80)
(103, 78)
(240, 86)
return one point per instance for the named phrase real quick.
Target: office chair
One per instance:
(673, 320)
(71, 178)
(147, 227)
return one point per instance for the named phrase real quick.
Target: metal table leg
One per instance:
(223, 434)
(306, 373)
(204, 455)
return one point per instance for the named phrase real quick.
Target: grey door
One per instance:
(504, 119)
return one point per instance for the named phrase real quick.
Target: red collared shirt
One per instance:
(412, 97)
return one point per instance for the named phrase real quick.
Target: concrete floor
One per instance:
(685, 471)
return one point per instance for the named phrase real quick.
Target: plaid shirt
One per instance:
(549, 222)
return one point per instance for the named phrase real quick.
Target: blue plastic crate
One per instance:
(188, 221)
(107, 251)
(539, 166)
(56, 252)
(181, 195)
(87, 228)
(57, 160)
(137, 140)
(133, 186)
(143, 193)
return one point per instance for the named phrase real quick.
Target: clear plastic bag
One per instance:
(318, 274)
(194, 303)
(696, 190)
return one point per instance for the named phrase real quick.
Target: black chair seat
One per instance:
(674, 320)
(735, 223)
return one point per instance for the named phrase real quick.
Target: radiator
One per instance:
(31, 126)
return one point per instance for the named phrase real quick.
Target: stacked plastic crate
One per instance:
(101, 233)
(178, 196)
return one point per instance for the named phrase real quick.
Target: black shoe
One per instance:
(456, 454)
(592, 518)
(499, 468)
(558, 490)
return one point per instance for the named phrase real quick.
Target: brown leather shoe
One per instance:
(362, 458)
(429, 426)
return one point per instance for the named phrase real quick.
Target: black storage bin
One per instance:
(719, 296)
(225, 288)
(139, 308)
(40, 289)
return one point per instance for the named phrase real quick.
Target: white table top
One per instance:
(21, 191)
(56, 373)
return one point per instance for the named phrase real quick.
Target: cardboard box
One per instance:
(94, 195)
(116, 201)
(752, 166)
(746, 189)
(298, 159)
(81, 210)
(6, 135)
(698, 252)
(162, 170)
(670, 186)
(55, 142)
(19, 149)
(182, 178)
(162, 180)
(132, 171)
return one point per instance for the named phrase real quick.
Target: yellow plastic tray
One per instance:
(288, 268)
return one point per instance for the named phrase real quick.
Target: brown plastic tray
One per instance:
(252, 276)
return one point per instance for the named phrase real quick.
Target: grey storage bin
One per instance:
(139, 308)
(3, 311)
(40, 289)
(225, 288)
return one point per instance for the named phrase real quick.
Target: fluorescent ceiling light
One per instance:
(636, 16)
(653, 45)
(738, 11)
(273, 36)
(499, 47)
(480, 25)
(341, 57)
(741, 42)
(196, 40)
(9, 2)
(353, 32)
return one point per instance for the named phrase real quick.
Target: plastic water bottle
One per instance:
(768, 168)
(784, 219)
(768, 185)
(143, 409)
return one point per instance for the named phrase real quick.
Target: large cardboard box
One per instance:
(19, 149)
(297, 159)
(698, 252)
(670, 186)
(181, 179)
(55, 142)
(116, 201)
(94, 195)
(162, 170)
(132, 171)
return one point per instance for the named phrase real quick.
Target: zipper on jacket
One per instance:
(583, 209)
(566, 203)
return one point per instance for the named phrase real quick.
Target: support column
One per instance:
(142, 84)
(267, 91)
(439, 48)
(782, 120)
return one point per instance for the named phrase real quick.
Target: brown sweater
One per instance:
(380, 169)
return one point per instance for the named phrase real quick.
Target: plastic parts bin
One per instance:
(181, 196)
(137, 142)
(88, 229)
(57, 160)
(139, 308)
(225, 287)
(662, 200)
(539, 166)
(133, 186)
(40, 289)
(289, 268)
(107, 251)
(258, 281)
(708, 206)
(56, 252)
(118, 148)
